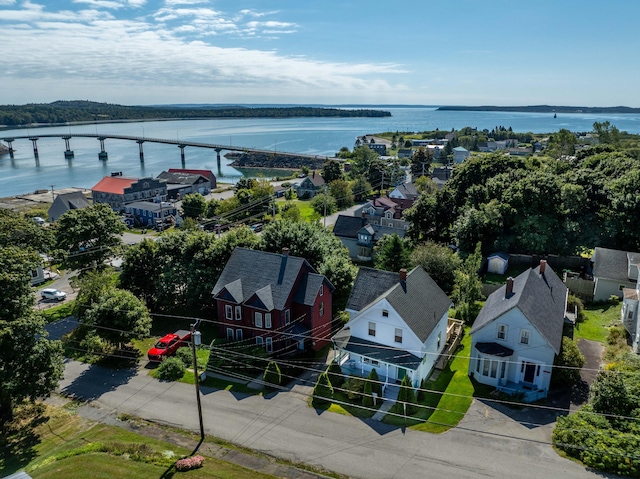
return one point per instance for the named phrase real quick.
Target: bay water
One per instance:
(316, 136)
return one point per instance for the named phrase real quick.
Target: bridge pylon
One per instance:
(182, 158)
(218, 150)
(10, 145)
(140, 142)
(68, 152)
(34, 140)
(103, 153)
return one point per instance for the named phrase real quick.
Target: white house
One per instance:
(518, 332)
(613, 270)
(629, 314)
(400, 332)
(460, 154)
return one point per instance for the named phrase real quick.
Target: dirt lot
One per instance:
(39, 199)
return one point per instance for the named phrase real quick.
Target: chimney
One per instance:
(285, 251)
(364, 214)
(509, 290)
(543, 265)
(313, 175)
(403, 274)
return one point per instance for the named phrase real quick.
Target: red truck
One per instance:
(169, 344)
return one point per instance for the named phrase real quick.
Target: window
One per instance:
(630, 314)
(230, 334)
(494, 369)
(228, 311)
(238, 334)
(385, 313)
(398, 335)
(502, 331)
(238, 313)
(524, 336)
(321, 308)
(372, 329)
(267, 320)
(258, 319)
(502, 371)
(259, 341)
(438, 346)
(375, 363)
(269, 345)
(321, 289)
(287, 316)
(485, 367)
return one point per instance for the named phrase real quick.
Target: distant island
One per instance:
(66, 112)
(545, 109)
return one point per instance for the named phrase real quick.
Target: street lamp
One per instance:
(195, 341)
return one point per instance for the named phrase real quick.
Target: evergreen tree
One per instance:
(272, 376)
(323, 390)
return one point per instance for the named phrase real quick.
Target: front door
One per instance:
(529, 372)
(401, 374)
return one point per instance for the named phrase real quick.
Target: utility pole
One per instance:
(195, 374)
(325, 206)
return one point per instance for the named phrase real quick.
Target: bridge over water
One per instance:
(102, 155)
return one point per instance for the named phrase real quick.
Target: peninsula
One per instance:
(545, 109)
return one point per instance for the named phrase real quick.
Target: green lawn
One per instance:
(599, 318)
(53, 443)
(61, 311)
(448, 400)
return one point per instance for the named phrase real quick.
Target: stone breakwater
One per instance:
(273, 160)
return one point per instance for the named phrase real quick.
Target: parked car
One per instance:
(169, 344)
(51, 293)
(256, 228)
(39, 220)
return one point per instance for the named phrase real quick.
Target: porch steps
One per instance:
(390, 396)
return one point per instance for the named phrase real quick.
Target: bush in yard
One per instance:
(272, 376)
(614, 299)
(406, 396)
(335, 375)
(323, 390)
(570, 361)
(376, 386)
(189, 463)
(367, 397)
(171, 369)
(185, 355)
(353, 387)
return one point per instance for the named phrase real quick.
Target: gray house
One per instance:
(518, 332)
(613, 270)
(181, 183)
(66, 202)
(309, 186)
(359, 236)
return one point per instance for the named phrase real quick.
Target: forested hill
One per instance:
(545, 109)
(88, 111)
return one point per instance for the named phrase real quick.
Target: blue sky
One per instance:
(462, 52)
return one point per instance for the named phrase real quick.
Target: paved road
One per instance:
(487, 443)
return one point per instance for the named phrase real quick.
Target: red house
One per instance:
(275, 300)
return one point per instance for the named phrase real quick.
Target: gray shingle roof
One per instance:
(540, 298)
(348, 226)
(611, 264)
(266, 277)
(181, 178)
(368, 285)
(418, 300)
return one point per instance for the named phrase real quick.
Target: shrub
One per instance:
(353, 387)
(575, 304)
(171, 369)
(614, 299)
(272, 376)
(376, 387)
(323, 390)
(189, 463)
(406, 396)
(570, 360)
(335, 375)
(367, 397)
(185, 355)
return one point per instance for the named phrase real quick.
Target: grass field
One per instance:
(599, 318)
(50, 442)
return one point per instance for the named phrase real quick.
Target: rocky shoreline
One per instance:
(273, 160)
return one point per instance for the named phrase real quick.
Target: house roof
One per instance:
(419, 301)
(206, 173)
(348, 226)
(499, 254)
(375, 351)
(73, 200)
(612, 264)
(540, 298)
(368, 285)
(316, 179)
(408, 190)
(460, 149)
(380, 231)
(494, 349)
(114, 184)
(269, 278)
(149, 205)
(181, 177)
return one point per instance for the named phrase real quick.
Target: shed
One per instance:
(498, 262)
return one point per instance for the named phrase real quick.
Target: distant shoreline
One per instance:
(544, 109)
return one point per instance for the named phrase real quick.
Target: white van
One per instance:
(51, 293)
